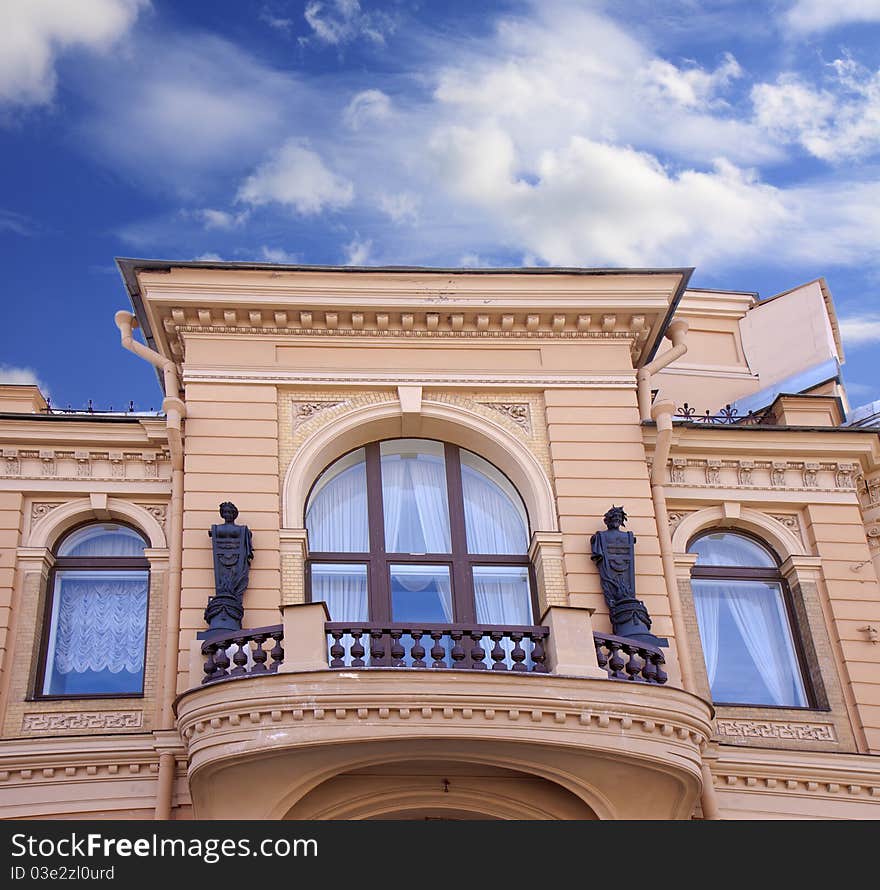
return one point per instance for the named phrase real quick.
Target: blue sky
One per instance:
(738, 137)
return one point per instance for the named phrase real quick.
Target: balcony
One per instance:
(319, 719)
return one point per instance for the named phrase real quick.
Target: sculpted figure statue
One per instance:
(233, 552)
(613, 552)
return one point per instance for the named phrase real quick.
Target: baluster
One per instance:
(601, 657)
(661, 674)
(277, 652)
(518, 654)
(498, 653)
(635, 664)
(418, 650)
(357, 648)
(240, 659)
(221, 659)
(377, 647)
(260, 655)
(615, 662)
(649, 671)
(337, 651)
(539, 656)
(458, 653)
(438, 653)
(210, 667)
(397, 650)
(478, 653)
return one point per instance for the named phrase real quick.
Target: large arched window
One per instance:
(413, 530)
(96, 619)
(745, 622)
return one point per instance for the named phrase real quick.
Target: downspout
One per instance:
(174, 410)
(676, 333)
(662, 413)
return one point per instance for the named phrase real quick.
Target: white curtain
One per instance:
(337, 517)
(494, 525)
(343, 589)
(503, 598)
(99, 623)
(414, 500)
(707, 600)
(728, 549)
(759, 619)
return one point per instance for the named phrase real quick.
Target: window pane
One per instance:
(421, 593)
(502, 595)
(747, 643)
(107, 539)
(726, 549)
(336, 515)
(414, 497)
(494, 514)
(343, 587)
(97, 632)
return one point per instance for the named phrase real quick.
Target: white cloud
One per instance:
(276, 22)
(297, 177)
(10, 374)
(860, 330)
(367, 106)
(34, 32)
(832, 124)
(279, 255)
(338, 22)
(221, 219)
(16, 223)
(183, 109)
(357, 251)
(691, 87)
(401, 207)
(208, 257)
(808, 16)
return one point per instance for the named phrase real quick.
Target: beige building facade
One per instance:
(393, 664)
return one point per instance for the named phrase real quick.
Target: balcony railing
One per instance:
(522, 649)
(248, 653)
(459, 646)
(626, 659)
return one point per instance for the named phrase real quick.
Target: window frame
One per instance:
(94, 564)
(379, 561)
(759, 573)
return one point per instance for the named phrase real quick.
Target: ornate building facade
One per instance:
(421, 458)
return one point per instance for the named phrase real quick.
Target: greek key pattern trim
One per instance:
(49, 722)
(769, 729)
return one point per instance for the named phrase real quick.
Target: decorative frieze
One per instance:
(773, 729)
(518, 412)
(845, 476)
(790, 521)
(52, 721)
(303, 411)
(716, 472)
(159, 512)
(84, 464)
(38, 511)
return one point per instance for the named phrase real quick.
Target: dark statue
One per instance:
(233, 552)
(614, 554)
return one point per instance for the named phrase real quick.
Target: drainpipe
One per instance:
(174, 410)
(662, 413)
(676, 333)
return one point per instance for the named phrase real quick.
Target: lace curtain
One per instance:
(337, 517)
(493, 524)
(414, 499)
(99, 622)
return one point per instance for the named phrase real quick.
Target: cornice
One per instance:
(613, 380)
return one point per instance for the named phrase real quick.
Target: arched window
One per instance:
(745, 621)
(94, 636)
(413, 530)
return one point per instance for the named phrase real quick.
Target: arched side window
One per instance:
(414, 530)
(745, 620)
(94, 637)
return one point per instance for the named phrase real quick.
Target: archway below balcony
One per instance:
(434, 420)
(425, 790)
